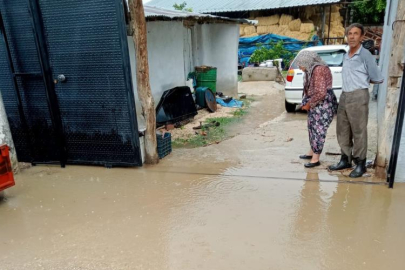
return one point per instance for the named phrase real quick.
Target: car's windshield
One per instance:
(332, 58)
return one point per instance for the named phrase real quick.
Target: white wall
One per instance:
(166, 59)
(390, 15)
(217, 45)
(174, 51)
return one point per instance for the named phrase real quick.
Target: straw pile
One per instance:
(295, 25)
(242, 30)
(297, 35)
(252, 35)
(265, 21)
(336, 16)
(307, 27)
(336, 8)
(285, 19)
(310, 11)
(261, 30)
(249, 30)
(299, 28)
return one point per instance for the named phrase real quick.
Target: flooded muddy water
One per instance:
(246, 203)
(196, 217)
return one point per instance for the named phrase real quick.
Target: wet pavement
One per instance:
(242, 204)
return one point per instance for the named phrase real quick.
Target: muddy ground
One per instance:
(246, 203)
(270, 139)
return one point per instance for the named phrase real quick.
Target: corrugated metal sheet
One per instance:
(151, 12)
(212, 6)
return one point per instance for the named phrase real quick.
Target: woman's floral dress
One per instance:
(323, 103)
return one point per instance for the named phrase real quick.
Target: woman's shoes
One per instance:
(312, 165)
(305, 157)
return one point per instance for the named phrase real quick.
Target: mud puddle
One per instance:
(196, 217)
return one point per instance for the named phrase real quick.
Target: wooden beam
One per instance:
(142, 80)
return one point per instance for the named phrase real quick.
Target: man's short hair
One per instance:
(357, 25)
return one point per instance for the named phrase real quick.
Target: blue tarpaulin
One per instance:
(232, 103)
(248, 45)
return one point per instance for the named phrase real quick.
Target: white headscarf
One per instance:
(309, 60)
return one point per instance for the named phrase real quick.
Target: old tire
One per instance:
(290, 107)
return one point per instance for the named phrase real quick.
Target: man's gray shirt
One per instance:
(359, 70)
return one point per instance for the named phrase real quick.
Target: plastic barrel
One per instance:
(200, 96)
(207, 77)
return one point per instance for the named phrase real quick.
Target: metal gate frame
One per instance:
(52, 100)
(48, 78)
(396, 141)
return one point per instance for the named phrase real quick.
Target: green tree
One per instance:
(182, 7)
(369, 11)
(270, 52)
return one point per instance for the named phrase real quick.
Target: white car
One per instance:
(333, 56)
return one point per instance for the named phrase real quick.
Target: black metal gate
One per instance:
(66, 82)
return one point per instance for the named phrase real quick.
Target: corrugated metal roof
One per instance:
(155, 12)
(212, 6)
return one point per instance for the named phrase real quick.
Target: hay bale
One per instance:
(338, 31)
(310, 11)
(281, 30)
(242, 30)
(262, 29)
(293, 34)
(307, 27)
(285, 19)
(335, 24)
(295, 25)
(335, 8)
(326, 28)
(271, 20)
(336, 16)
(316, 19)
(274, 29)
(251, 35)
(249, 30)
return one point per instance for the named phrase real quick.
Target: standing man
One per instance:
(359, 69)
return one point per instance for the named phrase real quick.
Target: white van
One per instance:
(333, 56)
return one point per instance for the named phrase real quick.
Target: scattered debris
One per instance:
(332, 154)
(233, 103)
(370, 164)
(211, 124)
(210, 101)
(182, 123)
(176, 105)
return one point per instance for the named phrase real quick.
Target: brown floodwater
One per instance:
(177, 216)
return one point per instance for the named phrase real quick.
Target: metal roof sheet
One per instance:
(156, 12)
(212, 6)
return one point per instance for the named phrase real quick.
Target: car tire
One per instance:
(290, 107)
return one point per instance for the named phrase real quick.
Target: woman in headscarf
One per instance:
(319, 100)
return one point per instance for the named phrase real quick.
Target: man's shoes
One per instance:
(359, 170)
(305, 157)
(312, 165)
(343, 164)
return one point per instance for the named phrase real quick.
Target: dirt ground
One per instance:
(246, 203)
(187, 130)
(271, 139)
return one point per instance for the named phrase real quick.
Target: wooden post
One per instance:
(323, 23)
(142, 80)
(395, 70)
